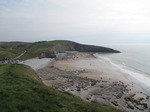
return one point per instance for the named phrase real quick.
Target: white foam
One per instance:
(142, 78)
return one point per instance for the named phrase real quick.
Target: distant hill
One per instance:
(46, 49)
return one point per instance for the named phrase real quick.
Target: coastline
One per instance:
(94, 80)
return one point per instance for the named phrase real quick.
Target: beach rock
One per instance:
(119, 95)
(145, 105)
(130, 97)
(130, 105)
(101, 86)
(93, 99)
(114, 103)
(140, 99)
(147, 97)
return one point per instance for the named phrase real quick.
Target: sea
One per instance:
(134, 60)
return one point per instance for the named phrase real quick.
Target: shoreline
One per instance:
(94, 80)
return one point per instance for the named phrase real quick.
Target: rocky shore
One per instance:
(101, 90)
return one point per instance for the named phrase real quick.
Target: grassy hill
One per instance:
(21, 90)
(46, 48)
(6, 54)
(37, 48)
(12, 49)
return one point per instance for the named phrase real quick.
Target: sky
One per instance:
(84, 21)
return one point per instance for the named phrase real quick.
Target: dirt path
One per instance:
(20, 55)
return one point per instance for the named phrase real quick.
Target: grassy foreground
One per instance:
(21, 90)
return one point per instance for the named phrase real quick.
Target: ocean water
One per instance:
(134, 60)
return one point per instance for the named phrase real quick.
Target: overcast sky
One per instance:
(85, 21)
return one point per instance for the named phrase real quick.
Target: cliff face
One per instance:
(72, 46)
(90, 48)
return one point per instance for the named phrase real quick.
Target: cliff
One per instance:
(73, 46)
(48, 49)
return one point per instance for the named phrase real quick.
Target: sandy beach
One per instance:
(94, 80)
(37, 63)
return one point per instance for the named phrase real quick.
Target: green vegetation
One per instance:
(12, 49)
(39, 47)
(6, 54)
(33, 49)
(47, 48)
(21, 90)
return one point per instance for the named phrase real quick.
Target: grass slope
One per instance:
(33, 49)
(6, 54)
(12, 49)
(39, 47)
(21, 90)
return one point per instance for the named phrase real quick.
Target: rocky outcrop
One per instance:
(48, 54)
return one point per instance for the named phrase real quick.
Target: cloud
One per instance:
(41, 19)
(3, 2)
